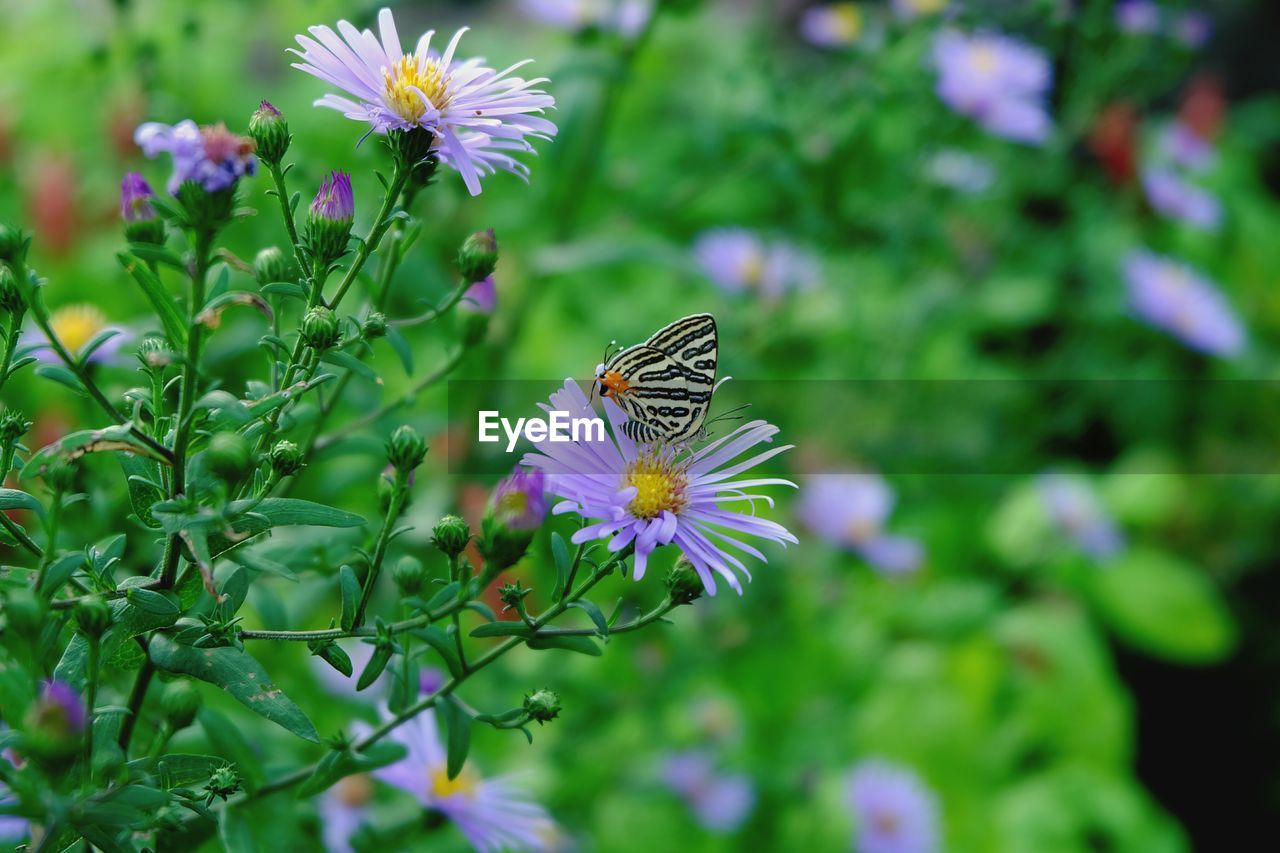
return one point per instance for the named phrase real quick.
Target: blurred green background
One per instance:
(1050, 699)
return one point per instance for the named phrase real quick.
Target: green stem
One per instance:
(136, 697)
(90, 699)
(398, 494)
(370, 244)
(286, 210)
(11, 344)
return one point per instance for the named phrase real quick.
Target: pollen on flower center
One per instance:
(407, 78)
(75, 325)
(984, 59)
(660, 487)
(442, 786)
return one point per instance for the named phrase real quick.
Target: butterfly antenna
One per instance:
(731, 415)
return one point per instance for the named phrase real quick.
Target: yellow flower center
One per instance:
(407, 78)
(354, 791)
(76, 325)
(513, 504)
(861, 531)
(886, 822)
(752, 270)
(465, 783)
(984, 59)
(927, 7)
(660, 487)
(846, 22)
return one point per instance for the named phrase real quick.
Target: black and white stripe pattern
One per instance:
(669, 379)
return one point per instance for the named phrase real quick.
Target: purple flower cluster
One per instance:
(1191, 28)
(1170, 295)
(720, 801)
(894, 811)
(997, 81)
(1076, 511)
(739, 260)
(850, 510)
(213, 157)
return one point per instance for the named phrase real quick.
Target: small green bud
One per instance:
(320, 328)
(478, 256)
(205, 210)
(13, 244)
(10, 296)
(24, 612)
(375, 326)
(13, 426)
(513, 595)
(683, 584)
(329, 219)
(230, 456)
(502, 546)
(406, 449)
(59, 476)
(542, 705)
(179, 702)
(410, 575)
(271, 264)
(386, 488)
(222, 783)
(93, 617)
(154, 354)
(286, 458)
(270, 133)
(451, 535)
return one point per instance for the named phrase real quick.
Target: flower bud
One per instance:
(93, 617)
(24, 612)
(154, 353)
(683, 584)
(141, 222)
(374, 326)
(410, 575)
(451, 535)
(271, 264)
(501, 546)
(542, 705)
(13, 426)
(179, 702)
(229, 456)
(329, 222)
(286, 458)
(222, 783)
(56, 723)
(270, 132)
(59, 476)
(386, 488)
(10, 296)
(320, 328)
(13, 244)
(406, 449)
(478, 256)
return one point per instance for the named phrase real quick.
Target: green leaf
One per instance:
(16, 499)
(581, 645)
(444, 646)
(143, 476)
(334, 655)
(458, 742)
(1164, 606)
(285, 512)
(155, 603)
(509, 628)
(95, 343)
(234, 591)
(340, 763)
(447, 593)
(350, 362)
(174, 327)
(234, 832)
(226, 739)
(59, 572)
(377, 663)
(402, 348)
(590, 608)
(58, 373)
(560, 553)
(179, 770)
(74, 445)
(240, 675)
(349, 586)
(158, 254)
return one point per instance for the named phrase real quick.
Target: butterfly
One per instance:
(664, 384)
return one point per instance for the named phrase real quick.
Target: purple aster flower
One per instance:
(1170, 295)
(909, 10)
(213, 157)
(1186, 148)
(652, 495)
(342, 809)
(476, 113)
(520, 501)
(739, 260)
(835, 25)
(1140, 17)
(894, 811)
(480, 298)
(1174, 196)
(493, 813)
(719, 801)
(60, 703)
(334, 200)
(1192, 29)
(999, 82)
(850, 510)
(135, 199)
(624, 17)
(75, 326)
(1076, 511)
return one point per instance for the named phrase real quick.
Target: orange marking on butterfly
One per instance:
(613, 384)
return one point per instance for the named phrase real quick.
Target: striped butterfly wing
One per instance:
(671, 377)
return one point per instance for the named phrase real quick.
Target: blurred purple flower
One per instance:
(12, 827)
(1139, 17)
(909, 10)
(480, 298)
(520, 500)
(75, 326)
(475, 113)
(1192, 28)
(1169, 295)
(1076, 511)
(342, 809)
(60, 702)
(739, 260)
(213, 157)
(135, 199)
(960, 171)
(893, 810)
(492, 813)
(719, 801)
(334, 200)
(997, 81)
(625, 17)
(653, 495)
(1186, 148)
(834, 25)
(1174, 196)
(850, 510)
